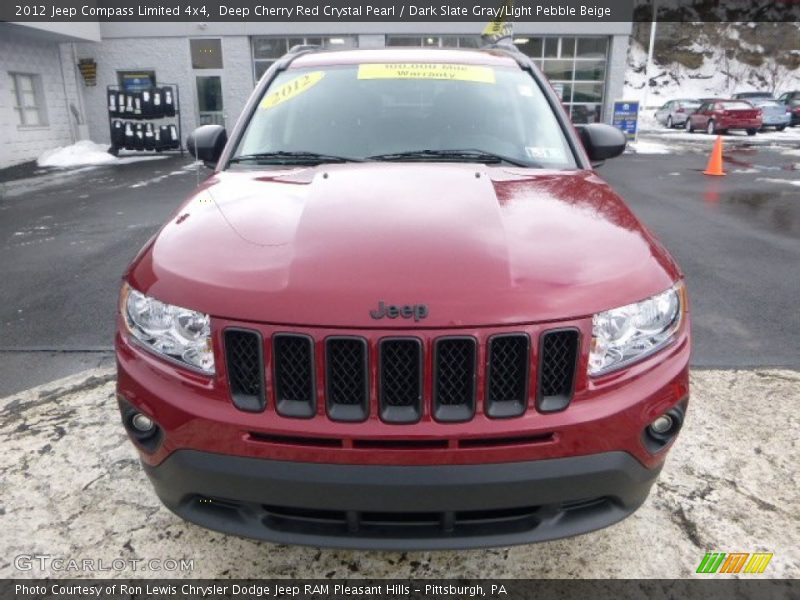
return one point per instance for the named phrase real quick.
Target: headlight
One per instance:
(178, 333)
(624, 335)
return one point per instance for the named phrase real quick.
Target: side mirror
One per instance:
(206, 143)
(602, 141)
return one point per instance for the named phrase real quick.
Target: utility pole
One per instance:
(649, 63)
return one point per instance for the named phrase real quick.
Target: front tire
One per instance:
(781, 127)
(752, 132)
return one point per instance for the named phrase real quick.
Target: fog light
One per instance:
(662, 424)
(142, 423)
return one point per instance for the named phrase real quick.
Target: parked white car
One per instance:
(773, 113)
(675, 112)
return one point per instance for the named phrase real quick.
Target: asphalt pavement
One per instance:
(67, 237)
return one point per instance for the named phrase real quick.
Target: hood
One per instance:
(476, 245)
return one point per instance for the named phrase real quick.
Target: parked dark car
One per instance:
(791, 100)
(720, 116)
(754, 96)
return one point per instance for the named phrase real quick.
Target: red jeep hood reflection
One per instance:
(478, 245)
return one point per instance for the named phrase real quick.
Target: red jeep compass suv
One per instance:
(403, 312)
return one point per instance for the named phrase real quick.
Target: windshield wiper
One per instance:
(471, 155)
(289, 157)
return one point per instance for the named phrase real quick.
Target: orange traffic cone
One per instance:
(715, 162)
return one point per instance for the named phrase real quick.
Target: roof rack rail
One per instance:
(509, 49)
(304, 48)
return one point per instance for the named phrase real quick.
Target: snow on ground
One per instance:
(784, 181)
(642, 147)
(87, 153)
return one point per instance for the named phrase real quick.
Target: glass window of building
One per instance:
(267, 49)
(435, 41)
(576, 66)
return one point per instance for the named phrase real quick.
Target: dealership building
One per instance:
(54, 77)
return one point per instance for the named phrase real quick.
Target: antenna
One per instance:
(196, 166)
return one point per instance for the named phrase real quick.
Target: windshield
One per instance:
(369, 111)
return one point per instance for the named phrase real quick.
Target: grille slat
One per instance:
(454, 378)
(295, 388)
(557, 367)
(508, 373)
(346, 380)
(400, 373)
(245, 361)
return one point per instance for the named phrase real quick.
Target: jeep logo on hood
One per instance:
(418, 311)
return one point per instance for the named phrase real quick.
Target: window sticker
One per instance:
(441, 71)
(545, 154)
(292, 89)
(525, 90)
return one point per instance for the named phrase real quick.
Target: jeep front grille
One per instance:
(557, 366)
(295, 392)
(508, 374)
(402, 379)
(245, 360)
(400, 382)
(346, 379)
(454, 378)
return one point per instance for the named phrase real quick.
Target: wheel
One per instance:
(781, 127)
(752, 132)
(688, 126)
(711, 128)
(669, 122)
(113, 151)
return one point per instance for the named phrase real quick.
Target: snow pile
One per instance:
(89, 154)
(79, 154)
(642, 147)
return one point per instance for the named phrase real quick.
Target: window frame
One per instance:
(20, 107)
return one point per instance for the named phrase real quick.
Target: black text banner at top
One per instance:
(44, 11)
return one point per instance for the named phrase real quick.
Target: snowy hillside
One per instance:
(720, 72)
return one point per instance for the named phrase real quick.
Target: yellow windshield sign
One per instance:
(292, 89)
(445, 72)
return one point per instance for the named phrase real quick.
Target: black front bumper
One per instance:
(402, 507)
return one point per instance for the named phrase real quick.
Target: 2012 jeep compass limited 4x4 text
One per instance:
(403, 312)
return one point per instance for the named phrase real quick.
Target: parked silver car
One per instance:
(791, 100)
(675, 112)
(773, 113)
